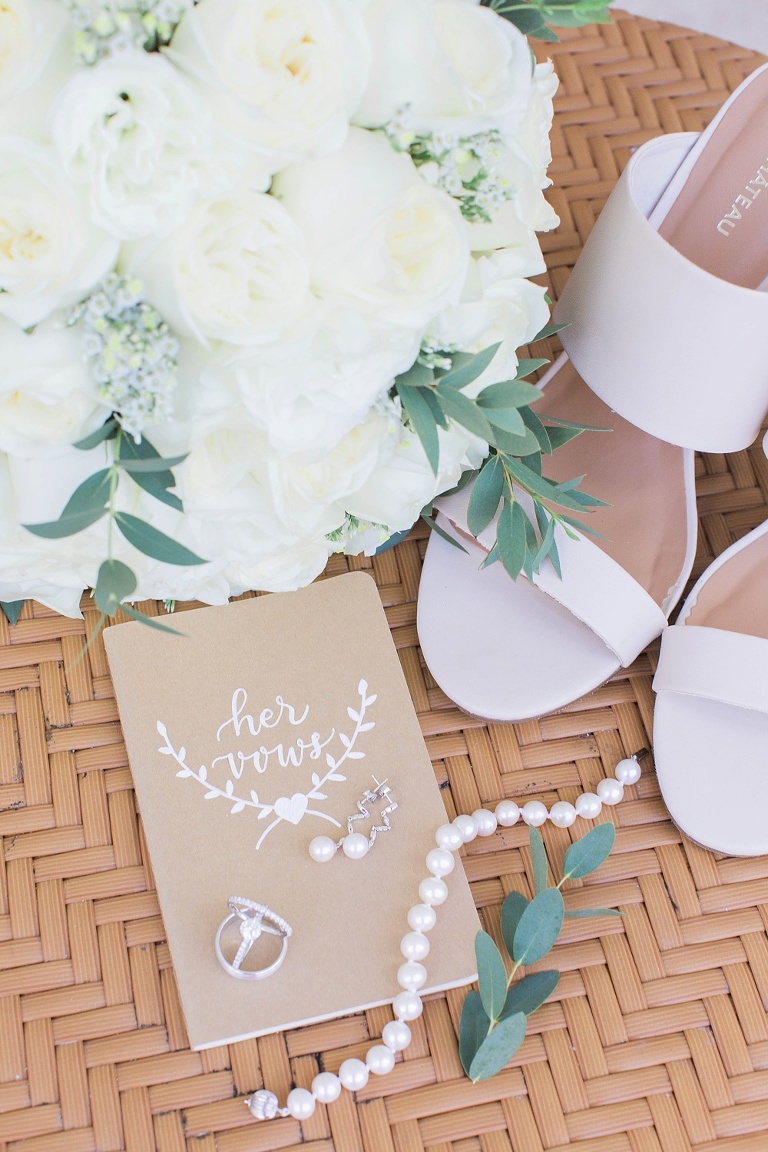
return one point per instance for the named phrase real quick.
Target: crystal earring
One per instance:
(355, 845)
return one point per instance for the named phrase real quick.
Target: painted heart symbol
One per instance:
(292, 809)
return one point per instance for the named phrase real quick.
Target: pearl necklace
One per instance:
(414, 946)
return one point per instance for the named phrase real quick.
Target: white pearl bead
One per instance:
(610, 791)
(467, 826)
(322, 848)
(354, 1074)
(449, 838)
(627, 771)
(326, 1087)
(433, 891)
(486, 822)
(380, 1059)
(507, 813)
(300, 1103)
(562, 814)
(589, 806)
(396, 1035)
(407, 1006)
(440, 862)
(355, 845)
(411, 976)
(422, 918)
(534, 813)
(414, 946)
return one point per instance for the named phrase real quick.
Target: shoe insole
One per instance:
(719, 220)
(733, 598)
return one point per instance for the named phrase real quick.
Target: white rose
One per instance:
(381, 239)
(453, 64)
(50, 254)
(138, 135)
(403, 483)
(48, 398)
(282, 571)
(30, 30)
(236, 270)
(498, 306)
(523, 162)
(283, 76)
(306, 394)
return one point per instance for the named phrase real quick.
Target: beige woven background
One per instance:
(655, 1041)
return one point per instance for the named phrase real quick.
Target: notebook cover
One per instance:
(247, 736)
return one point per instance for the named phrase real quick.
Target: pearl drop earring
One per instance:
(355, 845)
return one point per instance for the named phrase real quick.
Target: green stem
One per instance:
(114, 479)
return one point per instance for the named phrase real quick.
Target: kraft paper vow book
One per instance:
(252, 733)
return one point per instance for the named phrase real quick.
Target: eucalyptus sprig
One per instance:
(537, 17)
(494, 1019)
(501, 414)
(95, 498)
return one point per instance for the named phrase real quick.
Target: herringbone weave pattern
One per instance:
(657, 1038)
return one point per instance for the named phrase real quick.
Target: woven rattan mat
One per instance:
(656, 1040)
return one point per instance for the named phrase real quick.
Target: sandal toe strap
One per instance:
(713, 664)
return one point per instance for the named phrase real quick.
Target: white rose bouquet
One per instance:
(263, 275)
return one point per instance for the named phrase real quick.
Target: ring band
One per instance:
(254, 919)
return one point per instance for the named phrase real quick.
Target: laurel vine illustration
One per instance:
(292, 808)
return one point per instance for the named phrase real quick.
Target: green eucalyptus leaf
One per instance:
(554, 559)
(492, 557)
(578, 427)
(588, 853)
(473, 1029)
(539, 927)
(86, 505)
(511, 910)
(498, 1048)
(509, 394)
(548, 330)
(12, 609)
(547, 541)
(157, 485)
(106, 432)
(515, 446)
(470, 369)
(491, 975)
(588, 913)
(510, 536)
(539, 858)
(535, 425)
(154, 543)
(530, 993)
(114, 582)
(435, 527)
(559, 435)
(157, 464)
(417, 376)
(423, 422)
(150, 621)
(485, 497)
(508, 420)
(539, 485)
(526, 366)
(465, 412)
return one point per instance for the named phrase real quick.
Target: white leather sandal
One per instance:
(667, 329)
(711, 721)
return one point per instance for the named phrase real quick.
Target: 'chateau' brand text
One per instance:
(744, 201)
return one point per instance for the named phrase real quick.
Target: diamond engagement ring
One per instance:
(252, 920)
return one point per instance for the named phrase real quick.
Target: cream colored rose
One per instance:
(283, 76)
(236, 270)
(29, 30)
(47, 396)
(455, 65)
(50, 254)
(381, 239)
(139, 137)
